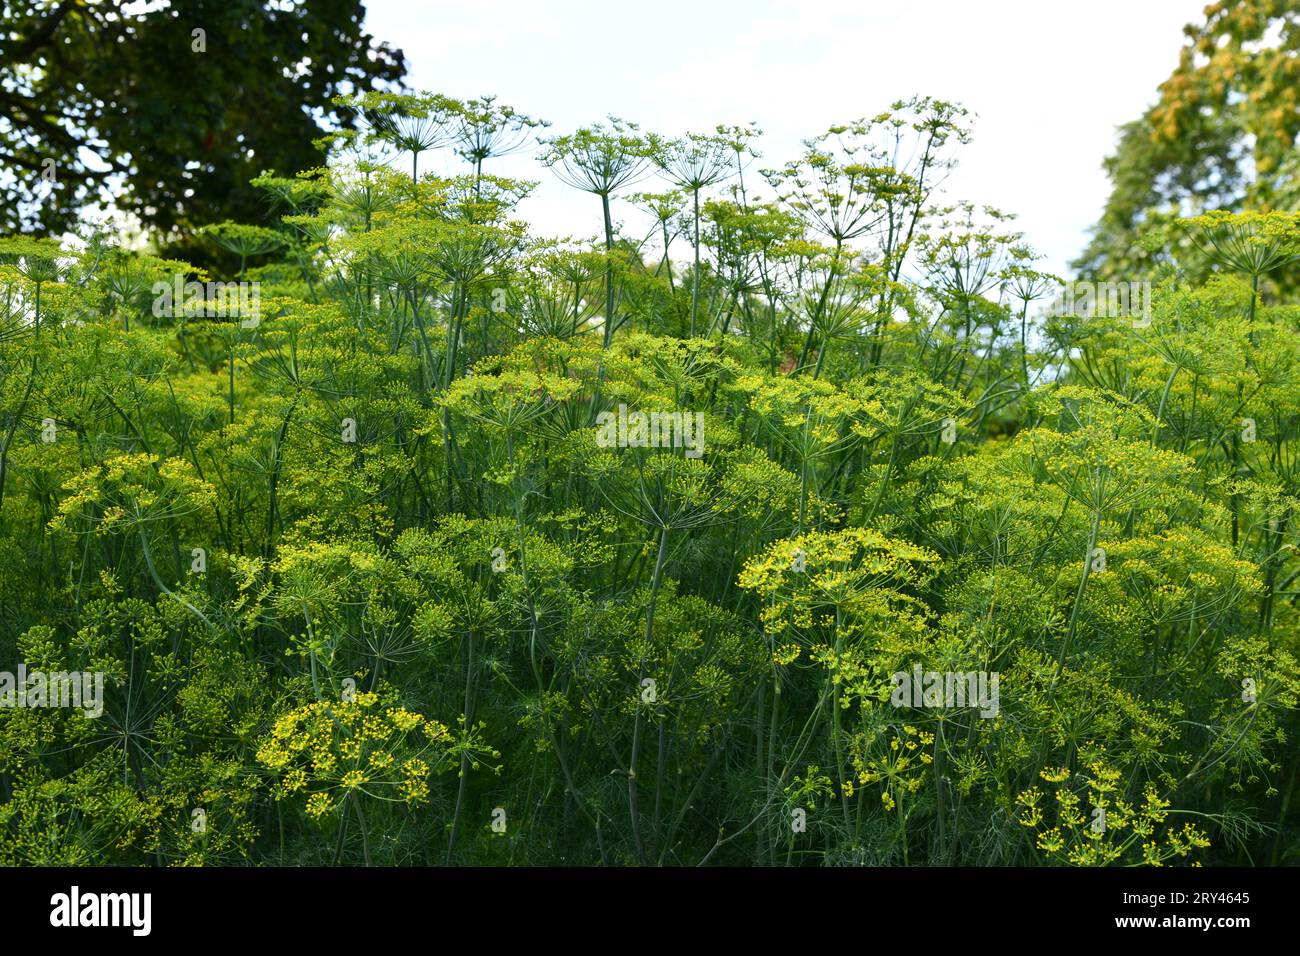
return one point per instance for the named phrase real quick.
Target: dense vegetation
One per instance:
(369, 585)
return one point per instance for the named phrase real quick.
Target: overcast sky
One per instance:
(1049, 81)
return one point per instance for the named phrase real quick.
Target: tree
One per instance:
(1221, 136)
(169, 111)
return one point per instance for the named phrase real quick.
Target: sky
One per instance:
(1049, 82)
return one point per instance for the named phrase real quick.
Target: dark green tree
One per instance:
(172, 110)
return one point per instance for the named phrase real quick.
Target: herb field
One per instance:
(810, 527)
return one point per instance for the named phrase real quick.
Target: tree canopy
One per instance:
(1221, 135)
(169, 110)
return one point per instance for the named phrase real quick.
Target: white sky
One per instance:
(1049, 80)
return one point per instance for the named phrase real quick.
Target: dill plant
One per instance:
(369, 587)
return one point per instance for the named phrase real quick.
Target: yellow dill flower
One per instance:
(318, 805)
(786, 654)
(295, 780)
(1051, 841)
(353, 779)
(404, 720)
